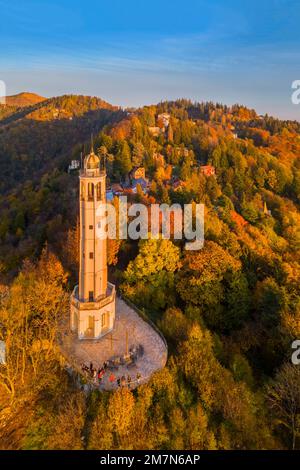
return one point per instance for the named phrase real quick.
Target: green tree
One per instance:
(122, 162)
(149, 279)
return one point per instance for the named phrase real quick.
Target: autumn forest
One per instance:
(229, 312)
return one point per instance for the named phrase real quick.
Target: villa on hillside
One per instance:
(163, 119)
(136, 173)
(208, 170)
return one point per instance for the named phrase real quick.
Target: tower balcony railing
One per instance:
(93, 172)
(95, 304)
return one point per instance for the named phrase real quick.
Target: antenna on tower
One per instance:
(92, 143)
(80, 159)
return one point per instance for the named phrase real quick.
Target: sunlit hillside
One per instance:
(229, 312)
(21, 100)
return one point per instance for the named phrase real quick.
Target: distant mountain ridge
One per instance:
(39, 137)
(34, 107)
(24, 99)
(67, 107)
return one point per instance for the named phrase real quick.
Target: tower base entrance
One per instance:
(92, 320)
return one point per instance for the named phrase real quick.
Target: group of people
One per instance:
(97, 374)
(93, 372)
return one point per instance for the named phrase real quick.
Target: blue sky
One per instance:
(135, 52)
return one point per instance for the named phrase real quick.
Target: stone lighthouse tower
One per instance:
(93, 300)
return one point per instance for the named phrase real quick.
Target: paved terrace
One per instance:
(130, 331)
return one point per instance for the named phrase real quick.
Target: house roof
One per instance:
(141, 181)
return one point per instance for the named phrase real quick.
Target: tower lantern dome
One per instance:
(92, 161)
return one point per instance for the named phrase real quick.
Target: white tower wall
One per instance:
(93, 301)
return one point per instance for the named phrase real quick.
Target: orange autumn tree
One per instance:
(29, 318)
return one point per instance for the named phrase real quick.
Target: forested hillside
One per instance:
(15, 103)
(229, 311)
(36, 146)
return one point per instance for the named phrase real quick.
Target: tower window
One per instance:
(91, 227)
(104, 319)
(98, 191)
(91, 296)
(91, 255)
(82, 190)
(90, 191)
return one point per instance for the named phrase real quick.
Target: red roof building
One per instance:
(208, 170)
